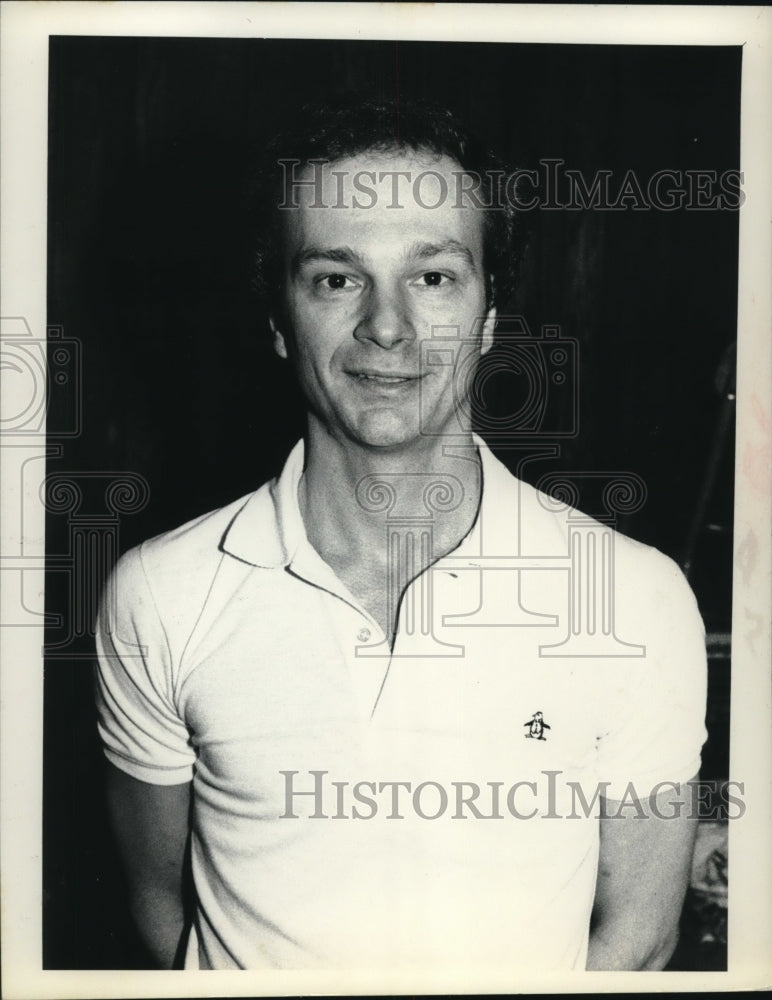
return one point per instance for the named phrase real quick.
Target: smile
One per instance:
(382, 378)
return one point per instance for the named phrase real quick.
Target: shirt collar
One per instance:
(494, 531)
(268, 531)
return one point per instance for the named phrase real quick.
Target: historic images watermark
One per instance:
(532, 423)
(548, 797)
(551, 186)
(43, 409)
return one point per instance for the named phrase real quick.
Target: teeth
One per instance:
(384, 378)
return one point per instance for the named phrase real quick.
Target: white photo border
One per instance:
(24, 35)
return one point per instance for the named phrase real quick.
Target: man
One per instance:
(308, 688)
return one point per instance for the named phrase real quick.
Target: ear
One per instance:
(279, 344)
(487, 330)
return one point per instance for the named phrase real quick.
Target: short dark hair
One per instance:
(334, 131)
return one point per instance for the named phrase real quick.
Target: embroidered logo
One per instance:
(536, 726)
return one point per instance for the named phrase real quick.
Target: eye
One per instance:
(434, 279)
(335, 282)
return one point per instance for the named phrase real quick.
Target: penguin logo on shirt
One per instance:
(536, 726)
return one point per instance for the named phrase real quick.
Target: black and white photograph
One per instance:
(386, 469)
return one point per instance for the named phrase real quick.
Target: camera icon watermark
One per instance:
(525, 387)
(42, 403)
(41, 381)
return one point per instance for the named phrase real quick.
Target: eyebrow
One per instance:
(417, 251)
(336, 255)
(424, 251)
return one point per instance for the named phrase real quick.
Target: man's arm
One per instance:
(643, 873)
(151, 827)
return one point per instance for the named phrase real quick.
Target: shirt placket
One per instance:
(355, 630)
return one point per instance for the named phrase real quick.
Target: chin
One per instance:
(386, 434)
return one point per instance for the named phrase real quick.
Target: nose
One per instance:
(386, 320)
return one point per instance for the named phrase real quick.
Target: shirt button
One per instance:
(363, 634)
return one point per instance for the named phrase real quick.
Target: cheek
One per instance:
(475, 313)
(461, 317)
(313, 331)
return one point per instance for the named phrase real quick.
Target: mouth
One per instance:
(383, 378)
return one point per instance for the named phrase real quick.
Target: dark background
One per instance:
(149, 141)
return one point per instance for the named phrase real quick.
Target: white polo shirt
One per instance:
(421, 809)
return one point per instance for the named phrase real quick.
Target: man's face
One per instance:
(366, 283)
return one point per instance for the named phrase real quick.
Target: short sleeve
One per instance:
(141, 730)
(653, 709)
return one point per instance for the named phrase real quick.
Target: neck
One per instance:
(348, 493)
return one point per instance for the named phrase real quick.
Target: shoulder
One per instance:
(193, 547)
(168, 576)
(645, 580)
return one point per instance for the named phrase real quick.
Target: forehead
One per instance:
(378, 201)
